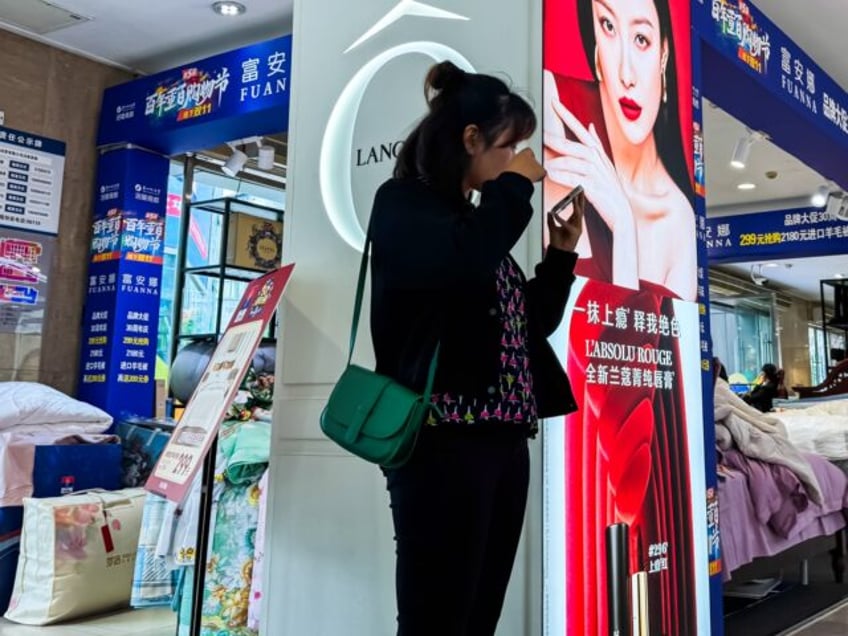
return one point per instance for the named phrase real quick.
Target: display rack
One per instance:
(837, 290)
(217, 268)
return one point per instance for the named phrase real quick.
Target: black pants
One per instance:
(458, 509)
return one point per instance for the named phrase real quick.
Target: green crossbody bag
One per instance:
(371, 415)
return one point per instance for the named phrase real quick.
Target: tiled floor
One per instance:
(147, 622)
(834, 623)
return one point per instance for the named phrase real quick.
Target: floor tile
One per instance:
(149, 622)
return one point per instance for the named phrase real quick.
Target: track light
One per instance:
(819, 199)
(742, 149)
(235, 163)
(265, 158)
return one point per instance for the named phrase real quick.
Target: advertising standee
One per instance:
(191, 441)
(632, 457)
(122, 306)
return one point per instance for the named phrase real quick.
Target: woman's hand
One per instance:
(585, 162)
(565, 234)
(526, 164)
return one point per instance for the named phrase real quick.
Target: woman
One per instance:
(761, 397)
(620, 138)
(442, 273)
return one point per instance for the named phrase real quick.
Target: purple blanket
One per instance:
(744, 534)
(776, 492)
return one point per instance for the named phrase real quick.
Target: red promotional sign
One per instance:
(193, 436)
(623, 473)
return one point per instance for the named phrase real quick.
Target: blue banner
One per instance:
(777, 235)
(222, 98)
(740, 31)
(118, 360)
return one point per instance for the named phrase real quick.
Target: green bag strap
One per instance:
(357, 309)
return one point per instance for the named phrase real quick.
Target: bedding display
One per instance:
(28, 407)
(744, 536)
(821, 426)
(50, 444)
(772, 494)
(77, 556)
(153, 580)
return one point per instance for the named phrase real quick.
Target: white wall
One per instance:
(331, 553)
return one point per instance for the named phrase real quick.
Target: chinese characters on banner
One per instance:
(740, 30)
(191, 440)
(632, 340)
(121, 316)
(797, 233)
(173, 111)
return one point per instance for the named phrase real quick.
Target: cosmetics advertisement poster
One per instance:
(625, 483)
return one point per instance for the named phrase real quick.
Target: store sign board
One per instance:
(193, 437)
(230, 96)
(121, 318)
(744, 34)
(797, 233)
(31, 175)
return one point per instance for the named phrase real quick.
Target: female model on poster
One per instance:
(620, 138)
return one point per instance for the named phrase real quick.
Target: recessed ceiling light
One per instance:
(819, 199)
(747, 186)
(228, 8)
(839, 275)
(771, 265)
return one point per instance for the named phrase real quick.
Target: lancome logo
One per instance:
(337, 146)
(388, 151)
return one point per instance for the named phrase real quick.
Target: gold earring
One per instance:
(598, 66)
(664, 80)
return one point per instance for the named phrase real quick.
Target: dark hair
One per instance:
(770, 371)
(667, 132)
(435, 150)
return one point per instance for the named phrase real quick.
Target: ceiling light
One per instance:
(742, 149)
(747, 186)
(839, 275)
(228, 8)
(265, 158)
(819, 199)
(771, 265)
(235, 163)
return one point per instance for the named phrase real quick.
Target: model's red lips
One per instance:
(631, 109)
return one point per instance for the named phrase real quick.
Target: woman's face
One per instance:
(631, 54)
(487, 161)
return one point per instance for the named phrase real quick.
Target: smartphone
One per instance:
(566, 201)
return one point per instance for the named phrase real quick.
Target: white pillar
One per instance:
(330, 568)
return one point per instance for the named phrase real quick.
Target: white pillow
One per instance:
(28, 404)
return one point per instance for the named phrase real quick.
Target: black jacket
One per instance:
(433, 280)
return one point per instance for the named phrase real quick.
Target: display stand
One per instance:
(221, 266)
(204, 526)
(839, 322)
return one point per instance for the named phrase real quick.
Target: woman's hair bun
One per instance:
(444, 76)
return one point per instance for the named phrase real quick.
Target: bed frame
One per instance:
(799, 554)
(836, 383)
